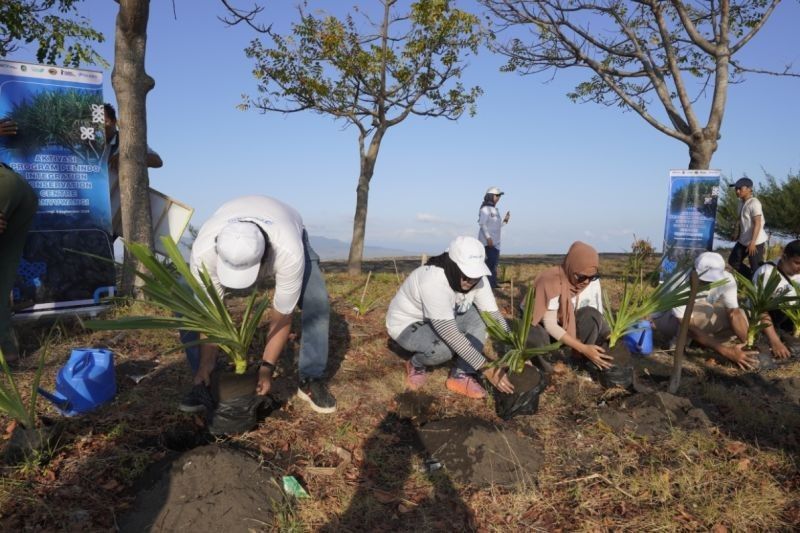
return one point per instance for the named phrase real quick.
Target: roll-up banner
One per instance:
(59, 149)
(691, 215)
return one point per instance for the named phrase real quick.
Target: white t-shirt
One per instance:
(426, 295)
(285, 254)
(490, 225)
(725, 294)
(748, 211)
(591, 296)
(784, 287)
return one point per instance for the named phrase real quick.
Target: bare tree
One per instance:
(373, 79)
(672, 51)
(131, 85)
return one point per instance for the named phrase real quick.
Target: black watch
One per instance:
(267, 364)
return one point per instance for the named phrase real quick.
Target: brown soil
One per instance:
(475, 452)
(652, 414)
(207, 489)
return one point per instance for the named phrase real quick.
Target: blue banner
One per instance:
(691, 214)
(59, 149)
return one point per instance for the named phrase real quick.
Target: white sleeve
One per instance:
(728, 295)
(483, 219)
(754, 206)
(288, 283)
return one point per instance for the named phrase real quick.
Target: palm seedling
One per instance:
(758, 299)
(11, 402)
(516, 339)
(192, 305)
(636, 305)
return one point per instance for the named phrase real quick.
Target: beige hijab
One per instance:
(560, 281)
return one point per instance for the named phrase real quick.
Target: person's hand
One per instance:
(507, 217)
(779, 350)
(490, 242)
(751, 248)
(498, 378)
(264, 381)
(598, 356)
(8, 127)
(3, 223)
(746, 360)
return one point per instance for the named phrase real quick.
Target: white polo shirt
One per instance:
(285, 254)
(426, 295)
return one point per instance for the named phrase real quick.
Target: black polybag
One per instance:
(522, 401)
(235, 415)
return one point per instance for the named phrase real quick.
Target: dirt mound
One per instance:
(207, 489)
(479, 453)
(653, 413)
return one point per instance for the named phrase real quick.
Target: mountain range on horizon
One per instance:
(331, 249)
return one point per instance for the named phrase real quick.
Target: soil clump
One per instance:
(653, 414)
(479, 453)
(207, 489)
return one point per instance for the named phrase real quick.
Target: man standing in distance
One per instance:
(751, 239)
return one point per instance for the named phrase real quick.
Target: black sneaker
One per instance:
(316, 393)
(197, 400)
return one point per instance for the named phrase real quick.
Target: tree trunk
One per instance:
(131, 85)
(701, 150)
(368, 160)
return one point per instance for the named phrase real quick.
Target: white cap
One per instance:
(468, 253)
(240, 247)
(495, 190)
(710, 266)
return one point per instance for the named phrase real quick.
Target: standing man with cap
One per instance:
(257, 235)
(751, 239)
(490, 227)
(716, 314)
(435, 315)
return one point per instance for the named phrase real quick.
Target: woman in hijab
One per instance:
(491, 226)
(435, 315)
(568, 305)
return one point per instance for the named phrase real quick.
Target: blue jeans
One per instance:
(315, 320)
(430, 350)
(492, 258)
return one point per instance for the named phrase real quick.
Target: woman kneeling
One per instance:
(435, 315)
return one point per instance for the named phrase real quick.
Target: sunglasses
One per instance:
(580, 278)
(471, 281)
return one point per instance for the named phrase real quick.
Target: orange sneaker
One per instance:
(466, 385)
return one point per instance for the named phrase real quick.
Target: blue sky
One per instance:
(571, 171)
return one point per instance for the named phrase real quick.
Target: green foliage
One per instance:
(727, 223)
(55, 25)
(11, 402)
(56, 117)
(196, 306)
(636, 305)
(758, 299)
(780, 200)
(516, 339)
(370, 77)
(365, 305)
